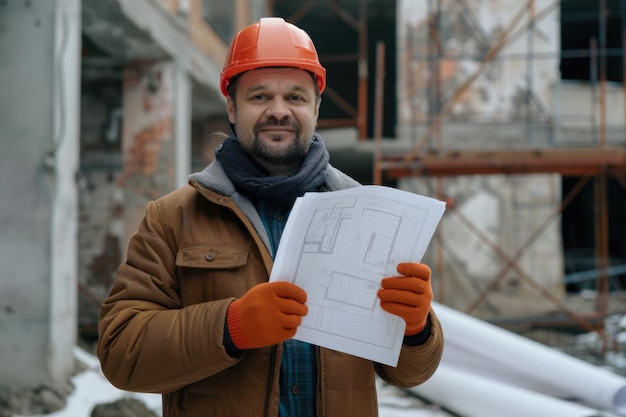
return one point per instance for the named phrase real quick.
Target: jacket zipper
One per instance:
(270, 380)
(318, 390)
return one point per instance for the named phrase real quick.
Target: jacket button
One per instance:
(209, 256)
(295, 389)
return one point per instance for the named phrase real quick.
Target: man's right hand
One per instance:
(269, 313)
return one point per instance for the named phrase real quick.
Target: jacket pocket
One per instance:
(210, 272)
(215, 256)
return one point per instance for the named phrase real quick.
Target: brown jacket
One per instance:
(161, 327)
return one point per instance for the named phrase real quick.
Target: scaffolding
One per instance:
(593, 164)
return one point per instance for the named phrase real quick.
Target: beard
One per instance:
(263, 151)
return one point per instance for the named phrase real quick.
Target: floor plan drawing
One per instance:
(338, 246)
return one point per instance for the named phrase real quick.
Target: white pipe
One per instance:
(472, 395)
(483, 349)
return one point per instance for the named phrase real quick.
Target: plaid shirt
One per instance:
(298, 368)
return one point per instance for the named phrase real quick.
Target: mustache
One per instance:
(275, 122)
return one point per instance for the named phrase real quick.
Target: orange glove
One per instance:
(267, 314)
(408, 296)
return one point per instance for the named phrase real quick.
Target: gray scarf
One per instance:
(278, 191)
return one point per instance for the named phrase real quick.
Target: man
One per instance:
(192, 315)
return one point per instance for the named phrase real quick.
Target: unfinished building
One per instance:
(513, 112)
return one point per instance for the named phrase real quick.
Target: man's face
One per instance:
(275, 113)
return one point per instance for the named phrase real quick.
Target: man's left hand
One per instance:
(408, 296)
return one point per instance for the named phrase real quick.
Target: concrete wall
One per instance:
(39, 69)
(579, 116)
(498, 229)
(512, 88)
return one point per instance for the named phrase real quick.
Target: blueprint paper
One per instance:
(338, 246)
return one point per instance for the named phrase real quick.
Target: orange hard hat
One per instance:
(271, 42)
